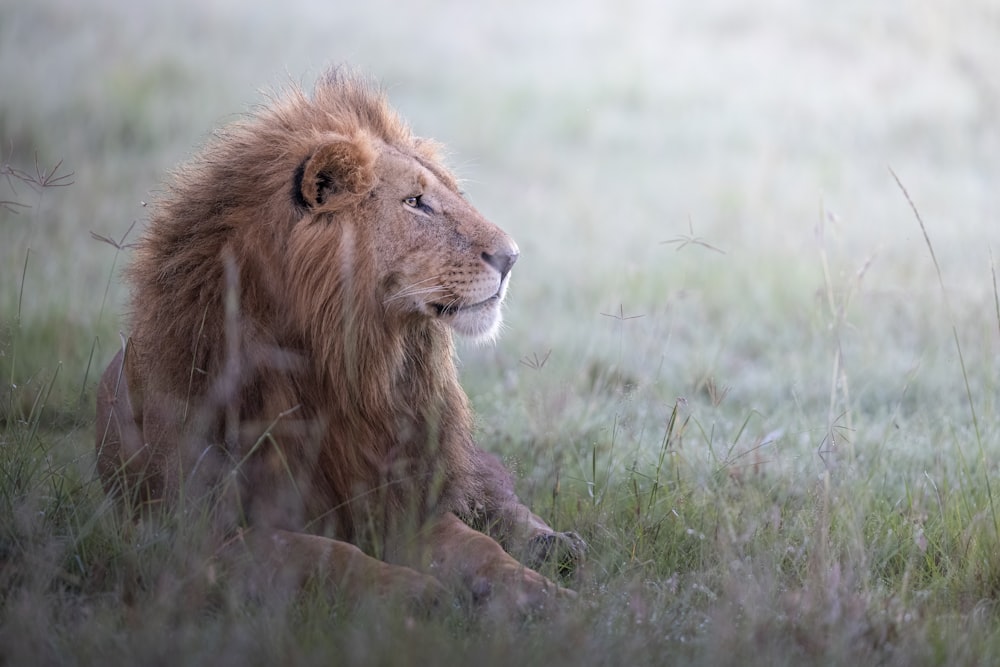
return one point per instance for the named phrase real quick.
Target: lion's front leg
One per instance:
(286, 561)
(522, 532)
(464, 557)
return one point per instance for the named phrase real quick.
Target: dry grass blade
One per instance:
(621, 316)
(683, 240)
(534, 362)
(923, 228)
(118, 245)
(996, 293)
(48, 179)
(12, 206)
(41, 178)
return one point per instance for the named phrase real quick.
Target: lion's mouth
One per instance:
(443, 310)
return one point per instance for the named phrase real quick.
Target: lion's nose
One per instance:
(501, 261)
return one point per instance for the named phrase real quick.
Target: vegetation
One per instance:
(752, 349)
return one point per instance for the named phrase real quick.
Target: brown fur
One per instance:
(291, 363)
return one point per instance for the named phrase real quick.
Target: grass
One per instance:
(754, 368)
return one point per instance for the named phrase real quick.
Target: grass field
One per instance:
(760, 378)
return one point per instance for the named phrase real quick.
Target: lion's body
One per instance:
(290, 354)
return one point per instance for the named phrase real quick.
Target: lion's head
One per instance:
(435, 255)
(347, 232)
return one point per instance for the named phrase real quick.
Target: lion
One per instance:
(290, 363)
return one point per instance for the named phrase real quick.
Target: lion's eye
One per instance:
(417, 202)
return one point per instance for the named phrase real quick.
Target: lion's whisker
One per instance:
(416, 292)
(414, 289)
(417, 283)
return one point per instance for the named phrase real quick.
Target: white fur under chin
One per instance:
(481, 327)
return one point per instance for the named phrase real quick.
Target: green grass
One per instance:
(735, 360)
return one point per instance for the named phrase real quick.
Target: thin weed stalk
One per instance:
(839, 385)
(996, 293)
(668, 438)
(40, 180)
(16, 328)
(118, 246)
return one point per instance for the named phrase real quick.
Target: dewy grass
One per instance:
(707, 549)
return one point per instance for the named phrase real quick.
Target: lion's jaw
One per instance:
(479, 321)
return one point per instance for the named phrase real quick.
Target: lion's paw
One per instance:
(566, 551)
(521, 594)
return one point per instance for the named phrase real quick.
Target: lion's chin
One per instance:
(481, 323)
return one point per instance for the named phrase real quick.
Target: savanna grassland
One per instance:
(752, 350)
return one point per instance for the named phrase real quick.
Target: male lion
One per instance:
(290, 364)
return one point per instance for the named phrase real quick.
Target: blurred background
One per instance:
(701, 191)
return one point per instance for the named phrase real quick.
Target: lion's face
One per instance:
(439, 256)
(435, 255)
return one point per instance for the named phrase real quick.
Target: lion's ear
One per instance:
(341, 170)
